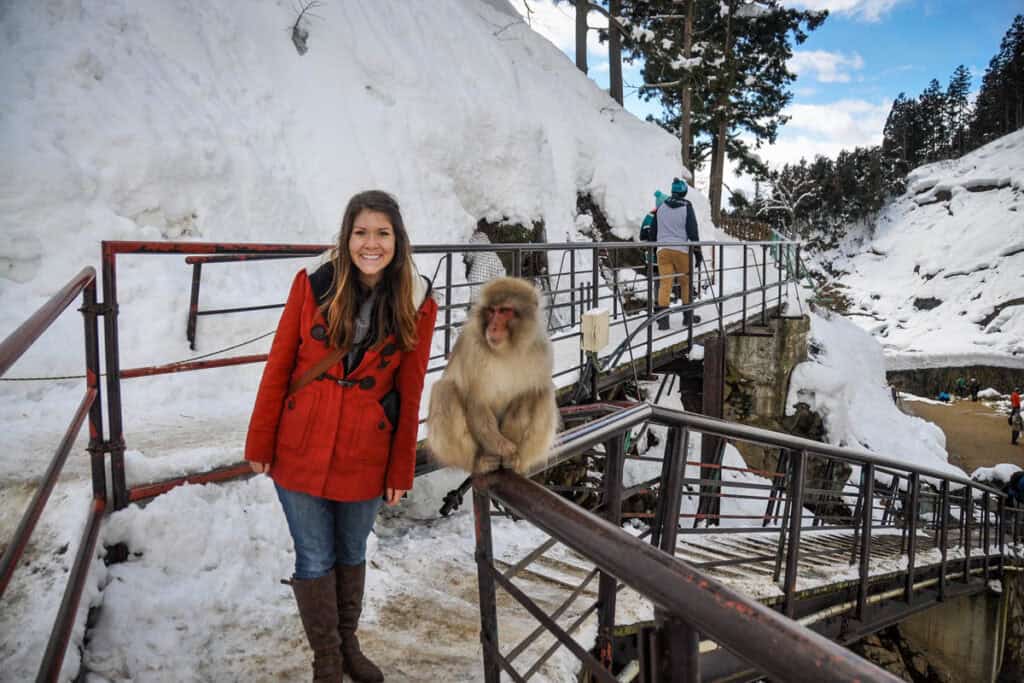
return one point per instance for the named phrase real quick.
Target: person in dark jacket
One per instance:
(974, 386)
(336, 417)
(1014, 489)
(677, 223)
(1016, 426)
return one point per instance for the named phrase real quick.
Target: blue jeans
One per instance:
(326, 532)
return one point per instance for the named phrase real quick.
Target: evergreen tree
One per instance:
(999, 108)
(931, 117)
(737, 69)
(957, 110)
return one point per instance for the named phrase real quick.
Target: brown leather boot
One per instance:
(316, 599)
(351, 580)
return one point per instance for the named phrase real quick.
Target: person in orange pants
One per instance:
(677, 223)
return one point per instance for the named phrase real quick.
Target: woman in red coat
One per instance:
(337, 414)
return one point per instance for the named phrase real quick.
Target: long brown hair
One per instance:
(394, 311)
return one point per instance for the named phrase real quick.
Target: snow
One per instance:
(997, 476)
(845, 383)
(966, 251)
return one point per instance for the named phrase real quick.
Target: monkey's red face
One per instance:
(500, 322)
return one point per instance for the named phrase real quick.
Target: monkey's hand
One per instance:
(484, 428)
(486, 462)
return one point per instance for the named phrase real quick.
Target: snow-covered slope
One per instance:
(942, 281)
(143, 119)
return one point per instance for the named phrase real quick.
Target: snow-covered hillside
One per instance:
(941, 283)
(142, 119)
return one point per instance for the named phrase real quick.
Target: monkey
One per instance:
(494, 405)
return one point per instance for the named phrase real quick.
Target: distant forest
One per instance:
(817, 200)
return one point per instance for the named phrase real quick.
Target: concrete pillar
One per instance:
(964, 636)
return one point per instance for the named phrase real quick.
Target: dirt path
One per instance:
(976, 433)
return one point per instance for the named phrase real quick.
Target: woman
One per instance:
(336, 417)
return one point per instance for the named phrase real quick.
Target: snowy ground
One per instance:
(940, 282)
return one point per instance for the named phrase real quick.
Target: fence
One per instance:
(916, 504)
(748, 282)
(11, 349)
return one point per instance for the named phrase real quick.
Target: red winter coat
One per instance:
(329, 440)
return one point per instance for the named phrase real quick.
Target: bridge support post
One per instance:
(796, 515)
(608, 585)
(680, 651)
(914, 483)
(867, 519)
(488, 599)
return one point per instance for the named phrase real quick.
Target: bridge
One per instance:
(717, 572)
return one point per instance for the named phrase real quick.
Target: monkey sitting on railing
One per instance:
(494, 406)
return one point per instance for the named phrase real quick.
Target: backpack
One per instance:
(649, 228)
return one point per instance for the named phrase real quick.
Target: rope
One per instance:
(177, 362)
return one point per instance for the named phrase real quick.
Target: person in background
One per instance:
(1015, 399)
(1016, 425)
(336, 417)
(677, 222)
(960, 388)
(1014, 489)
(974, 387)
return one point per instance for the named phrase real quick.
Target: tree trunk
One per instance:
(686, 115)
(718, 146)
(721, 119)
(582, 7)
(614, 51)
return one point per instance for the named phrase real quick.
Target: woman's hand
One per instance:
(259, 467)
(393, 496)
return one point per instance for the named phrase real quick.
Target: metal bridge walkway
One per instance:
(909, 538)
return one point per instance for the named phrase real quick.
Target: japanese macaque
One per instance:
(494, 406)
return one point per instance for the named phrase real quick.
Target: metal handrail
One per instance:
(752, 631)
(11, 349)
(19, 341)
(602, 542)
(766, 437)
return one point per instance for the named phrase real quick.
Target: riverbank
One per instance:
(976, 433)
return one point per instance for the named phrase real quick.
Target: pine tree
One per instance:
(737, 70)
(999, 108)
(957, 109)
(931, 110)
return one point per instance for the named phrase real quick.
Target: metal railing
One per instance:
(914, 505)
(11, 349)
(619, 276)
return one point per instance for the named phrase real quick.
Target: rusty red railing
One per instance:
(11, 349)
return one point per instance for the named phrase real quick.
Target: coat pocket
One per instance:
(374, 441)
(297, 418)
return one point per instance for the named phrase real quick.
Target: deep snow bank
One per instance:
(844, 381)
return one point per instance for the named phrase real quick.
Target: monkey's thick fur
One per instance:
(495, 405)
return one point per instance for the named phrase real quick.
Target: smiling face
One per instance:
(371, 245)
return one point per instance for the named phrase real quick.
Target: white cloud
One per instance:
(847, 122)
(867, 10)
(813, 130)
(825, 67)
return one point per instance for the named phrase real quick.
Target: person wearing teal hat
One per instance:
(649, 226)
(677, 224)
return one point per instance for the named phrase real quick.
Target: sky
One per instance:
(848, 71)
